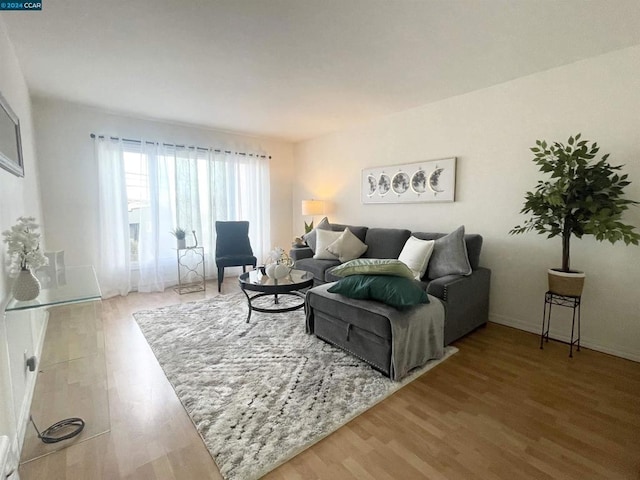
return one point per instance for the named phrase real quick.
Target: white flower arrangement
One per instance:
(275, 255)
(24, 245)
(278, 255)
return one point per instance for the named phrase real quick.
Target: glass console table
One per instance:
(71, 285)
(72, 377)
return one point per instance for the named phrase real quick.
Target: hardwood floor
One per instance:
(501, 408)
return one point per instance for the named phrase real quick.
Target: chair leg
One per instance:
(220, 277)
(244, 269)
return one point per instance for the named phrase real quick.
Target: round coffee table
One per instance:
(292, 284)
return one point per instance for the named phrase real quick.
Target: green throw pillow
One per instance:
(399, 292)
(373, 266)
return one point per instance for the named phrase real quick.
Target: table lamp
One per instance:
(311, 208)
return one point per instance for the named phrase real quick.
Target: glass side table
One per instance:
(551, 299)
(191, 273)
(72, 379)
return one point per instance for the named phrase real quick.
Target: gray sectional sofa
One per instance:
(465, 298)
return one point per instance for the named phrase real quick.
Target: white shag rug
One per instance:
(259, 393)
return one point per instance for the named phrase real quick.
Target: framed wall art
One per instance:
(10, 143)
(428, 181)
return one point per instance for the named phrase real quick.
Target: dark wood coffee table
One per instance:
(292, 284)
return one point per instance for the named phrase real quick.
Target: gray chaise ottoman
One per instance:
(392, 341)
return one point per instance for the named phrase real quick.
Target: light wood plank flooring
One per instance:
(499, 409)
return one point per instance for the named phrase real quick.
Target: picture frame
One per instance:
(10, 141)
(419, 182)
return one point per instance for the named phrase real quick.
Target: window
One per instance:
(137, 182)
(166, 187)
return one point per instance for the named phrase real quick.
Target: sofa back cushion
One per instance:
(360, 232)
(385, 242)
(473, 242)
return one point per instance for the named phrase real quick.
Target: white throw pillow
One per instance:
(324, 238)
(416, 254)
(347, 246)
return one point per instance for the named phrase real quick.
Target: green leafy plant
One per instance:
(308, 227)
(179, 233)
(582, 197)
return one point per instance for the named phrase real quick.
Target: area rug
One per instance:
(259, 393)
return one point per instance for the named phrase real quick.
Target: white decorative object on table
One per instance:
(280, 264)
(277, 271)
(281, 271)
(180, 234)
(27, 286)
(24, 249)
(270, 270)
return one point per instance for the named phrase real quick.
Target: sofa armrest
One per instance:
(438, 286)
(457, 285)
(300, 253)
(466, 301)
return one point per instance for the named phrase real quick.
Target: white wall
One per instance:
(18, 197)
(68, 169)
(490, 131)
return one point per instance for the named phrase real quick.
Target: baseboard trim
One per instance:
(584, 341)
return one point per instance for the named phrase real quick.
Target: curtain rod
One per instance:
(217, 150)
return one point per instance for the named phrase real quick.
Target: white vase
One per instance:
(276, 271)
(182, 243)
(26, 287)
(270, 270)
(281, 271)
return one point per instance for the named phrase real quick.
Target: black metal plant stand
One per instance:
(551, 299)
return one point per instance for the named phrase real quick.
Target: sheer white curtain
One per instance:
(183, 187)
(113, 263)
(156, 259)
(245, 182)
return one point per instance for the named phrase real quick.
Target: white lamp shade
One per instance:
(312, 207)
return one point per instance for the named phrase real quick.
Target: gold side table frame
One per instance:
(191, 270)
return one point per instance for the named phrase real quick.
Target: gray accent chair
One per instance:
(233, 248)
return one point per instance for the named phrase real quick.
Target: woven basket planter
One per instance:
(566, 283)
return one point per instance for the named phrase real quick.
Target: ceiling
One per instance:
(297, 69)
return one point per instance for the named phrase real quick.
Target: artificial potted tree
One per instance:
(583, 196)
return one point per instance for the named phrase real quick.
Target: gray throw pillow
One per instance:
(310, 237)
(449, 256)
